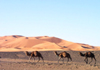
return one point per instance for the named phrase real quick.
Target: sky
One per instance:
(72, 20)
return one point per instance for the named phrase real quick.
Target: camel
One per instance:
(88, 55)
(34, 54)
(63, 55)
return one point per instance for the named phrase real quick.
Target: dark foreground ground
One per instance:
(19, 61)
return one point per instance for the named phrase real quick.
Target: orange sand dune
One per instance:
(22, 43)
(6, 39)
(58, 41)
(9, 37)
(48, 45)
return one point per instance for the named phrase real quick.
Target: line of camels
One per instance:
(61, 55)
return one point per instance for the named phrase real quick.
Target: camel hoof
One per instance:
(86, 63)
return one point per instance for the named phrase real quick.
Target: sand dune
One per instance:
(49, 46)
(22, 43)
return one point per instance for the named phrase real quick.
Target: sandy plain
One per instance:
(19, 61)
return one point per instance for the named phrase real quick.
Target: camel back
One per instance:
(35, 53)
(89, 53)
(63, 54)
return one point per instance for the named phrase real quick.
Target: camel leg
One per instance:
(34, 59)
(30, 58)
(39, 59)
(63, 60)
(70, 58)
(95, 60)
(67, 60)
(59, 59)
(42, 59)
(91, 60)
(86, 60)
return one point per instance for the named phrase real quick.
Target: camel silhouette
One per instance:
(88, 55)
(34, 54)
(63, 55)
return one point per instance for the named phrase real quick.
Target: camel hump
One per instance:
(89, 52)
(64, 54)
(35, 53)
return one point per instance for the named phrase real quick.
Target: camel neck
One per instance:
(82, 54)
(27, 53)
(56, 54)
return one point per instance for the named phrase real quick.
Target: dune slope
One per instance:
(22, 43)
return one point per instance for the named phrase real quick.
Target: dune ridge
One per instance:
(22, 43)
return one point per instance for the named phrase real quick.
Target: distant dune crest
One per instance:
(22, 43)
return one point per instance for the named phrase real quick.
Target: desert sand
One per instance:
(19, 61)
(22, 43)
(13, 57)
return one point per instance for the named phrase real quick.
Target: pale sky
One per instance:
(72, 20)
